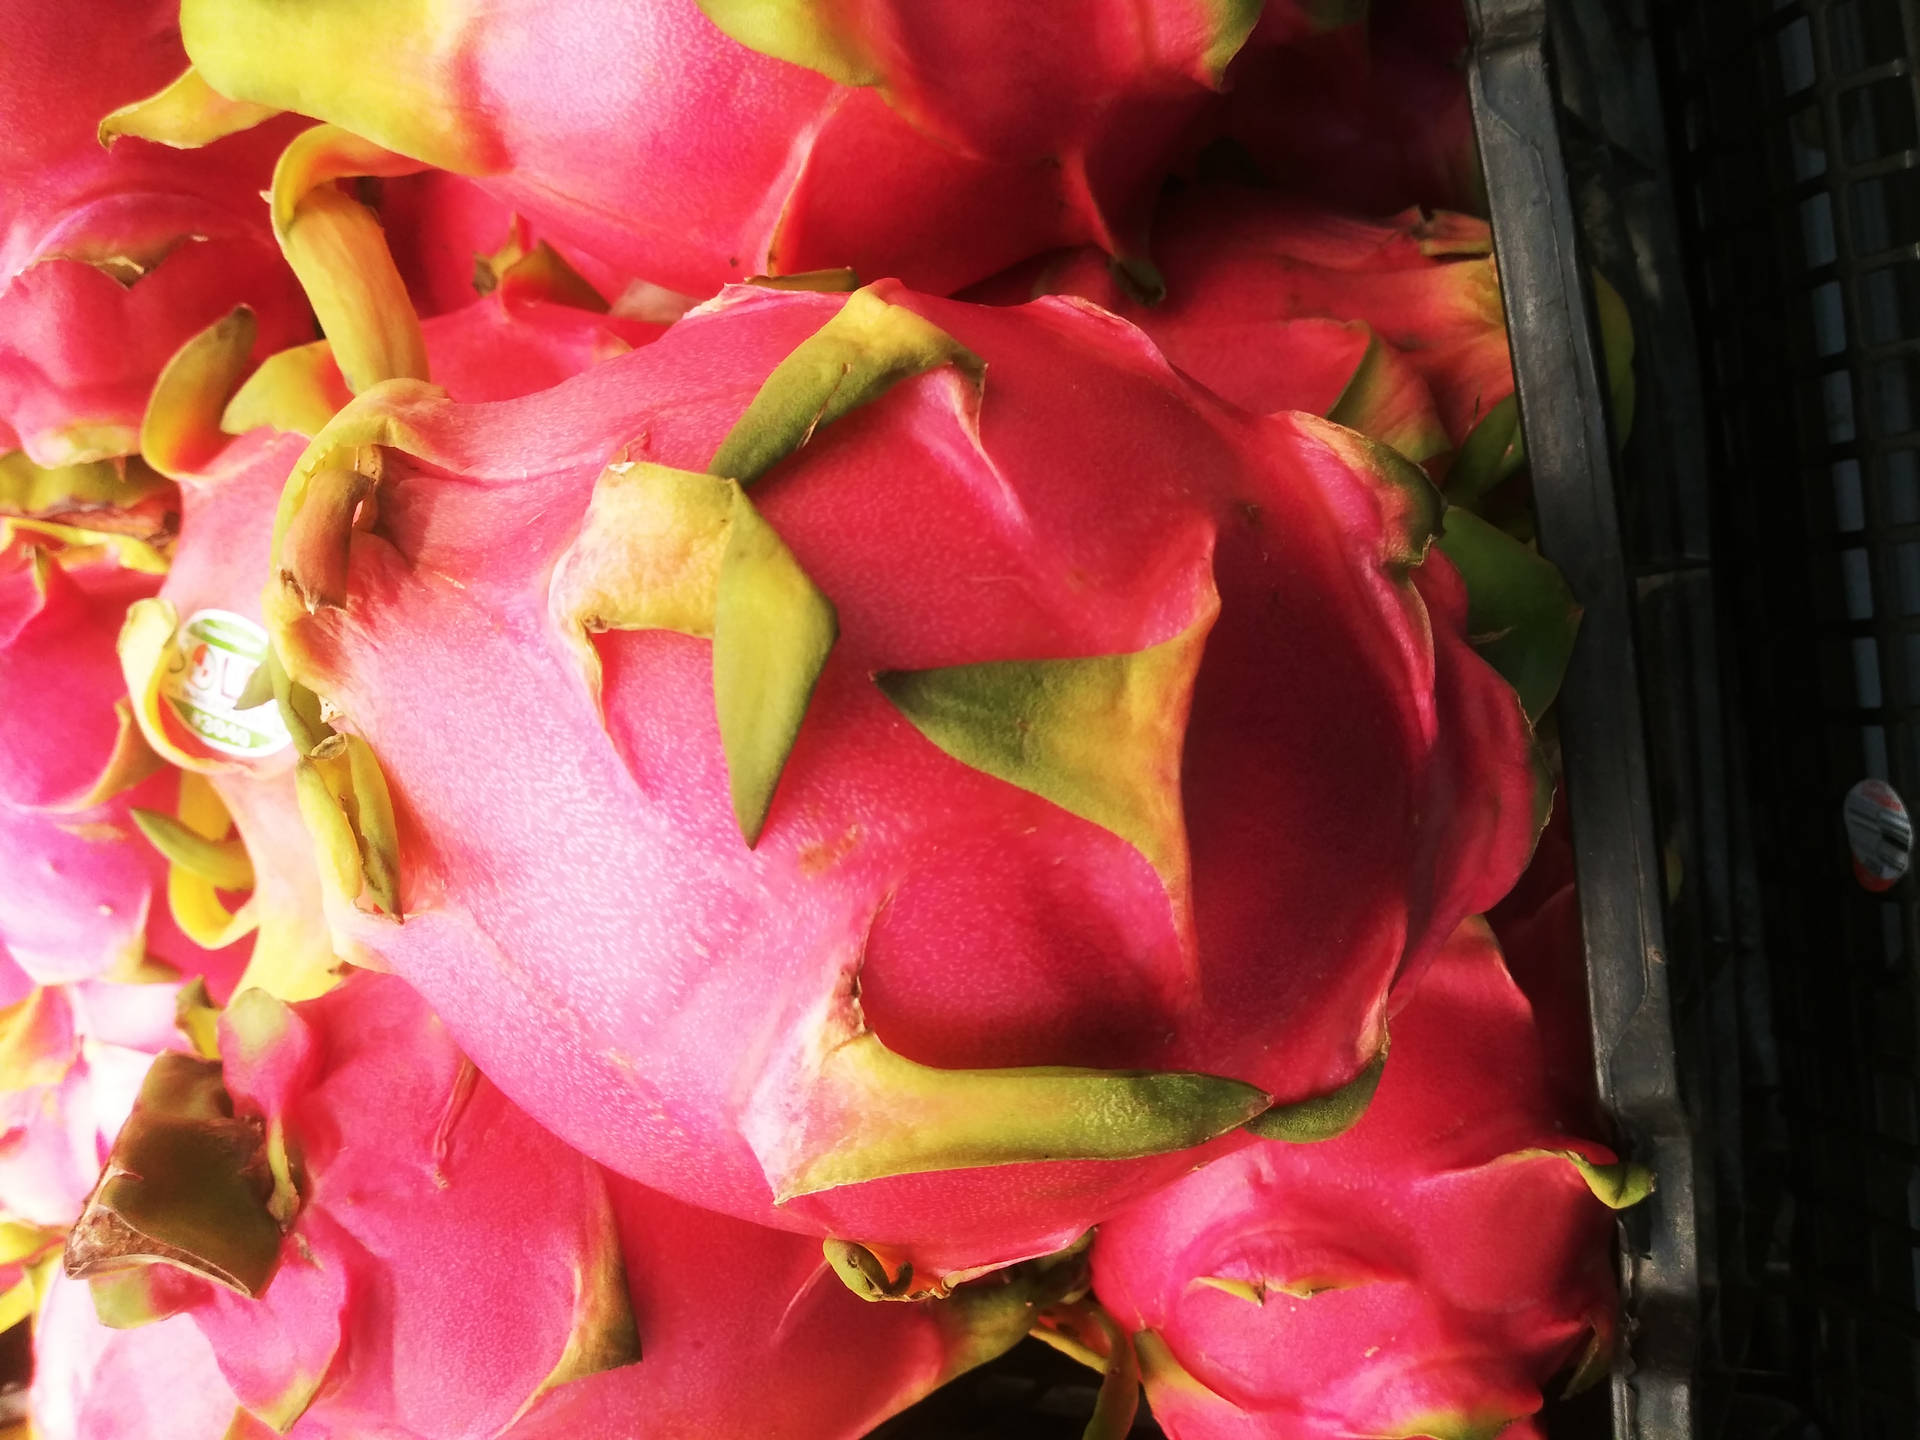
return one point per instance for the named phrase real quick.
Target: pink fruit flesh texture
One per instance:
(1429, 1302)
(1008, 132)
(391, 1300)
(83, 892)
(1242, 267)
(79, 348)
(580, 907)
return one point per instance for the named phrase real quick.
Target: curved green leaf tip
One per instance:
(812, 33)
(1100, 736)
(186, 1184)
(867, 348)
(1521, 615)
(1323, 1117)
(665, 549)
(1493, 451)
(870, 1113)
(772, 631)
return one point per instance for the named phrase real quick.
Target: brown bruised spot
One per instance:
(819, 858)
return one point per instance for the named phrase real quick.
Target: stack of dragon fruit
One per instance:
(710, 706)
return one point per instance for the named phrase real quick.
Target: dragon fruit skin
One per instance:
(1377, 1283)
(156, 1382)
(508, 344)
(928, 162)
(110, 258)
(744, 1329)
(83, 892)
(1242, 267)
(387, 1310)
(662, 1021)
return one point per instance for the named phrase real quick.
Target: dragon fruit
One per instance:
(783, 1350)
(82, 893)
(938, 143)
(1274, 305)
(190, 652)
(157, 1382)
(1377, 1283)
(110, 258)
(802, 973)
(313, 1203)
(357, 1129)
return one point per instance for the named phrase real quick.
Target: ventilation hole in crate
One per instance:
(1856, 578)
(1893, 936)
(1849, 503)
(1889, 307)
(1794, 46)
(1905, 577)
(1862, 34)
(1900, 473)
(1866, 672)
(1873, 751)
(1877, 120)
(1816, 237)
(1893, 385)
(1829, 319)
(1828, 403)
(1885, 211)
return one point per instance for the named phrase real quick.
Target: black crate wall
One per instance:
(1797, 161)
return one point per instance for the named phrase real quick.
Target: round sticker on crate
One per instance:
(216, 656)
(1879, 833)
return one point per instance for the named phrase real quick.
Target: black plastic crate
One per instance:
(1795, 131)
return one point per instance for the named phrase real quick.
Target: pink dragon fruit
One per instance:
(109, 259)
(1026, 823)
(781, 1349)
(391, 1166)
(157, 1382)
(190, 653)
(1377, 1283)
(1274, 305)
(935, 142)
(316, 1200)
(82, 893)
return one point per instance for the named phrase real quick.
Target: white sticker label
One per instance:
(1880, 834)
(214, 657)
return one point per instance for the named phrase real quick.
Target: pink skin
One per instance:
(587, 920)
(1370, 117)
(157, 1382)
(84, 892)
(388, 1290)
(745, 1330)
(647, 138)
(77, 347)
(492, 349)
(1243, 267)
(1430, 1304)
